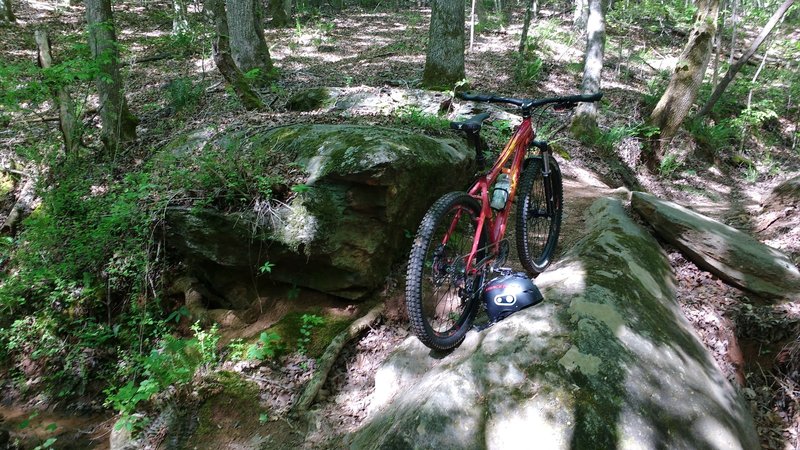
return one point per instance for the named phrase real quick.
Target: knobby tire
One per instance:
(441, 298)
(537, 229)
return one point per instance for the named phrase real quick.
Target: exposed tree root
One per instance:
(326, 361)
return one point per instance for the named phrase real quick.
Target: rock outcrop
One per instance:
(366, 190)
(777, 223)
(607, 361)
(733, 256)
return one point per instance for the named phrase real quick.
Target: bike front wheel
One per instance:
(442, 295)
(539, 215)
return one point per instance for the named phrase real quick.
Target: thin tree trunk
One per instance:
(248, 46)
(180, 19)
(718, 46)
(287, 8)
(224, 60)
(734, 22)
(735, 68)
(277, 11)
(526, 23)
(119, 124)
(674, 105)
(6, 12)
(581, 15)
(755, 77)
(444, 63)
(472, 25)
(66, 108)
(585, 120)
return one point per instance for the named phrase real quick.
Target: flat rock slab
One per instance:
(733, 256)
(606, 361)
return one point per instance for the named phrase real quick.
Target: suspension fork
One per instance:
(549, 192)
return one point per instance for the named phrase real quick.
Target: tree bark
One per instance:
(66, 108)
(444, 63)
(224, 60)
(736, 67)
(674, 105)
(581, 14)
(119, 124)
(180, 19)
(585, 119)
(248, 46)
(526, 24)
(327, 360)
(6, 12)
(734, 22)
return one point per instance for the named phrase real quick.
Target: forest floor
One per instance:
(755, 347)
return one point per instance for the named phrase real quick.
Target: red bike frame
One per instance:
(516, 148)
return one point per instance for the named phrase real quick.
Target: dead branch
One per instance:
(327, 360)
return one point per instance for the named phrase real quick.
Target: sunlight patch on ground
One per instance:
(43, 6)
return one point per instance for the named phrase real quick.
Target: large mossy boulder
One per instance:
(732, 255)
(607, 361)
(363, 193)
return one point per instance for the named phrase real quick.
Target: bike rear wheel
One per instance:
(538, 224)
(442, 297)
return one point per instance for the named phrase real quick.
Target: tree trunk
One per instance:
(119, 125)
(180, 20)
(444, 63)
(248, 46)
(224, 60)
(735, 68)
(581, 15)
(526, 24)
(6, 12)
(585, 120)
(66, 108)
(686, 79)
(734, 22)
(278, 14)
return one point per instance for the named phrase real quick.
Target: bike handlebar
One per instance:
(568, 101)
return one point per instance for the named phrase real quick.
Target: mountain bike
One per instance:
(460, 241)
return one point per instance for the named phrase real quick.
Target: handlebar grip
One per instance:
(591, 97)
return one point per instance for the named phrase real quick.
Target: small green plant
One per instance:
(417, 117)
(527, 71)
(173, 363)
(751, 173)
(669, 165)
(268, 346)
(713, 138)
(266, 267)
(300, 188)
(309, 322)
(184, 94)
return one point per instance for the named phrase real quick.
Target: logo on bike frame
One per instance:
(505, 300)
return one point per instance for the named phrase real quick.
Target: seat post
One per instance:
(474, 141)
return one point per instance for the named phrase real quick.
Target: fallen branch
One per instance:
(145, 59)
(15, 172)
(327, 360)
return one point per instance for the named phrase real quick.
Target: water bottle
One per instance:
(500, 192)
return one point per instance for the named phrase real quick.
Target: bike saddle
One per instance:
(473, 124)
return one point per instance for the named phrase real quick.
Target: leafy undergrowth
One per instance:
(82, 306)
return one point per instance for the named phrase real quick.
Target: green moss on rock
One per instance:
(308, 99)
